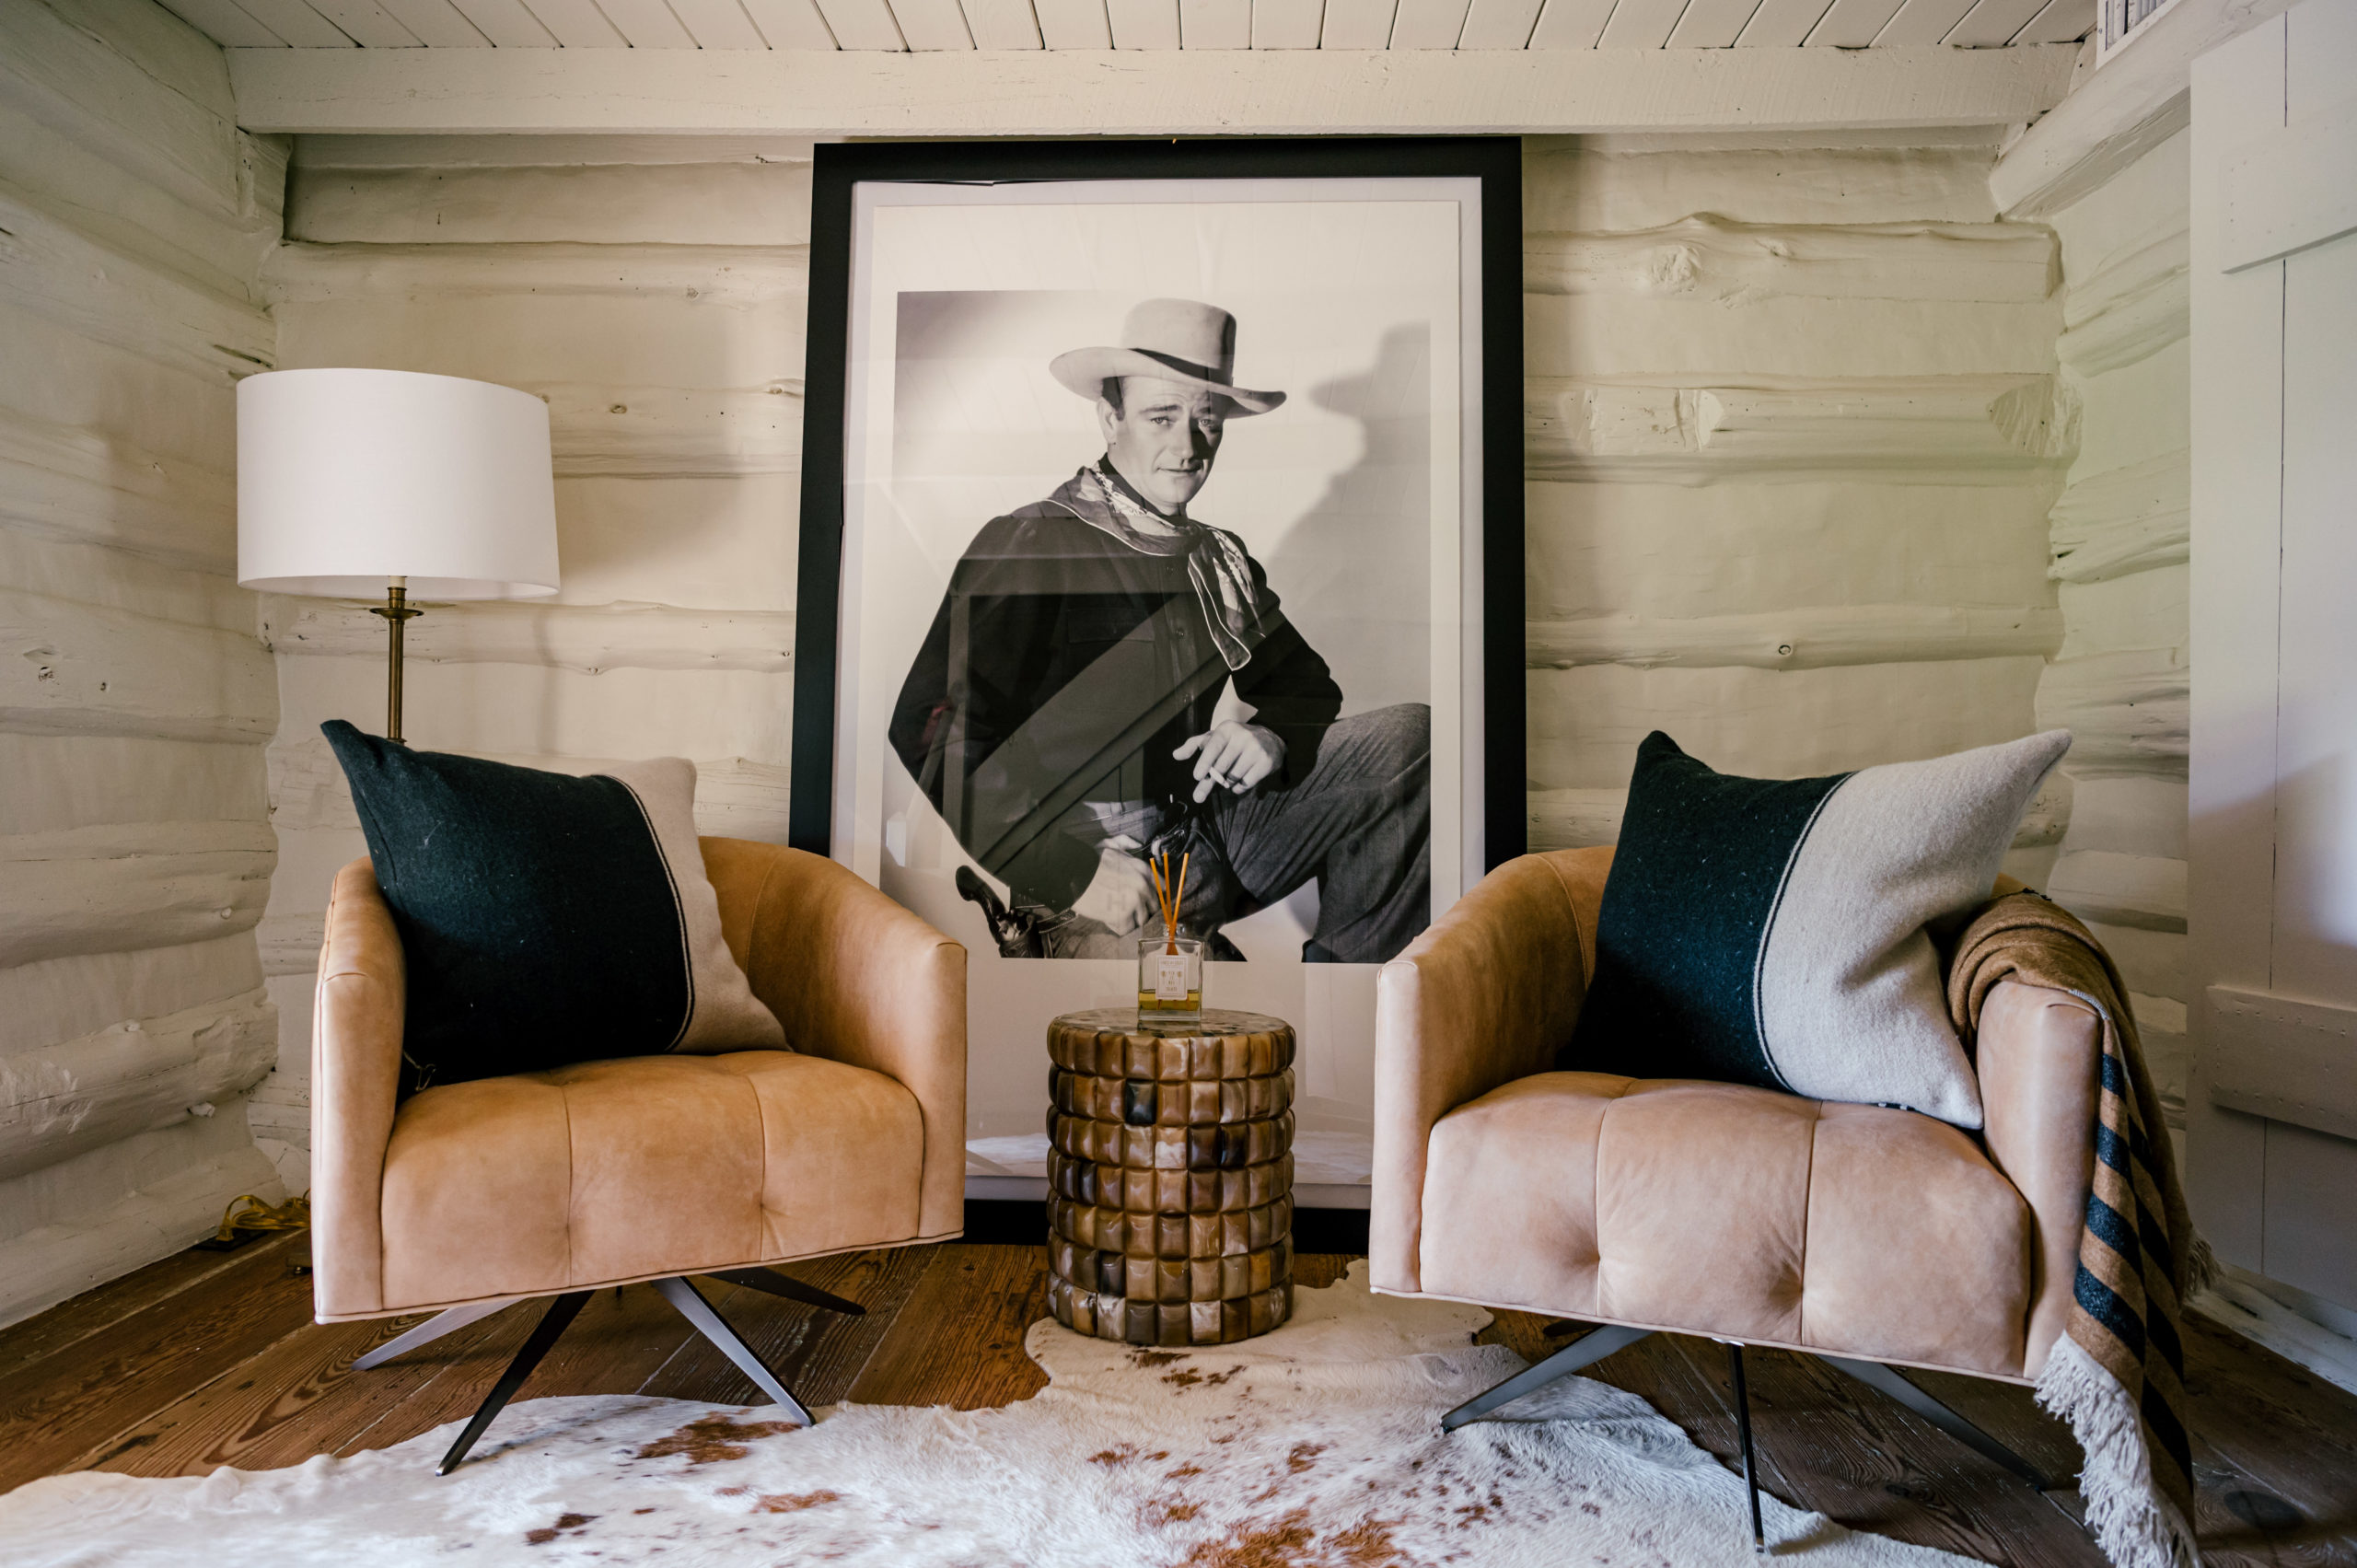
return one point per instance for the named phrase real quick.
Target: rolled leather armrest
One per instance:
(357, 1021)
(2039, 1055)
(1486, 995)
(855, 978)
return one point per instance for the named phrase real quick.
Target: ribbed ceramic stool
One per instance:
(1170, 1176)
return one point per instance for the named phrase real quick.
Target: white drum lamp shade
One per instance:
(348, 479)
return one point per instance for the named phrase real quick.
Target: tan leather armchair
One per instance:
(1870, 1236)
(469, 1196)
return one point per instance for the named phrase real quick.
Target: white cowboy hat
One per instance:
(1178, 340)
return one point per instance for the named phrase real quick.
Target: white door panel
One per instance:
(2316, 742)
(2272, 838)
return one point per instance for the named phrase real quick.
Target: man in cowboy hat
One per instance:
(1066, 711)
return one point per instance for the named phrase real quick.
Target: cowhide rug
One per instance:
(1316, 1447)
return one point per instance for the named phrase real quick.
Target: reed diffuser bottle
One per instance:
(1170, 962)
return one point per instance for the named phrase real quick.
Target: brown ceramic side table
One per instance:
(1170, 1176)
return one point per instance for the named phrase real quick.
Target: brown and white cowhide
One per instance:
(1315, 1446)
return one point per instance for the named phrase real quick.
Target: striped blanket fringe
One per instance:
(2116, 1376)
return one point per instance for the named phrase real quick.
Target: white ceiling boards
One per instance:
(966, 25)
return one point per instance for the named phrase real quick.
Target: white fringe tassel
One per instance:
(2134, 1525)
(2201, 1271)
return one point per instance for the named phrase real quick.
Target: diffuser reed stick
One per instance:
(1171, 925)
(1167, 892)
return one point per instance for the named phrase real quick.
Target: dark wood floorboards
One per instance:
(209, 1359)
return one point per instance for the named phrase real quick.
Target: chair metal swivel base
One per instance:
(1600, 1343)
(562, 1309)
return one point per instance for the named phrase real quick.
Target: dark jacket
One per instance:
(1065, 664)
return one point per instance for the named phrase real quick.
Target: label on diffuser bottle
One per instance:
(1170, 977)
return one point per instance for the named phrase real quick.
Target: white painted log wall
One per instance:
(1795, 429)
(135, 698)
(2119, 533)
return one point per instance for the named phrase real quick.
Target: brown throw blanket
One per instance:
(2118, 1374)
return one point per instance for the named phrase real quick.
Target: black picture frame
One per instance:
(1495, 161)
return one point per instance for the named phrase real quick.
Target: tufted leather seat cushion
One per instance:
(638, 1168)
(1721, 1209)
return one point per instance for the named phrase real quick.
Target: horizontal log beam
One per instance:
(2142, 814)
(2146, 892)
(1585, 723)
(2130, 333)
(583, 637)
(41, 1004)
(68, 667)
(1958, 426)
(673, 431)
(605, 190)
(2127, 519)
(734, 798)
(2130, 309)
(1707, 258)
(48, 269)
(2145, 610)
(215, 246)
(645, 154)
(2128, 713)
(1579, 818)
(73, 482)
(165, 1203)
(606, 430)
(1115, 93)
(81, 571)
(1574, 819)
(66, 76)
(146, 1072)
(1812, 638)
(2141, 99)
(48, 781)
(290, 944)
(280, 1107)
(1588, 187)
(130, 885)
(2152, 962)
(708, 274)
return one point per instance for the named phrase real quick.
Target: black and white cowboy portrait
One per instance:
(1196, 637)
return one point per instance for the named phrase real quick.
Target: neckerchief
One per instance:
(1217, 563)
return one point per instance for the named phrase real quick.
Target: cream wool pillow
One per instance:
(1777, 932)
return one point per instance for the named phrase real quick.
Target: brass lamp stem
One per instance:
(395, 610)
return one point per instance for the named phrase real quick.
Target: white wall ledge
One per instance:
(1133, 92)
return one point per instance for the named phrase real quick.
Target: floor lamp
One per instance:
(356, 483)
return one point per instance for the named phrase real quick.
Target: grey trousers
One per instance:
(1360, 824)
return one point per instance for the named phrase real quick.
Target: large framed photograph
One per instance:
(1165, 500)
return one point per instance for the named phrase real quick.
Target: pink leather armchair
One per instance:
(470, 1196)
(1870, 1236)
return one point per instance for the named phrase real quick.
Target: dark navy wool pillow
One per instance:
(547, 919)
(1773, 931)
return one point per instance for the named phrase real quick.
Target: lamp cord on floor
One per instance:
(293, 1215)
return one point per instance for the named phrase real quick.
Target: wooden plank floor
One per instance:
(207, 1359)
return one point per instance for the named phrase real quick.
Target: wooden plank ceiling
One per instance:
(942, 25)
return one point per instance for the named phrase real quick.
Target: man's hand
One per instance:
(1235, 756)
(1120, 896)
